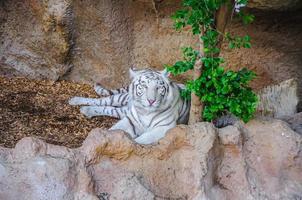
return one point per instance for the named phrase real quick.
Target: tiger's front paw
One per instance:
(145, 139)
(141, 140)
(74, 101)
(88, 111)
(151, 136)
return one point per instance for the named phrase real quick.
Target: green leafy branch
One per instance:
(219, 90)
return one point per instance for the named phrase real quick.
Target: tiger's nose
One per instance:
(151, 101)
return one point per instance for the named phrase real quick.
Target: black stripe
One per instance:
(168, 89)
(123, 100)
(134, 117)
(185, 106)
(165, 99)
(133, 127)
(159, 114)
(164, 124)
(182, 109)
(118, 99)
(126, 89)
(117, 112)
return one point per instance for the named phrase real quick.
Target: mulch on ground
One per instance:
(40, 109)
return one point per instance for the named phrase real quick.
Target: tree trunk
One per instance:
(222, 19)
(223, 16)
(196, 108)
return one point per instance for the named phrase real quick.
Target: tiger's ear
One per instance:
(165, 73)
(132, 73)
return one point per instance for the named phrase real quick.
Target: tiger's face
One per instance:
(149, 89)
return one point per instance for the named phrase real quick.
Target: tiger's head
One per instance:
(149, 89)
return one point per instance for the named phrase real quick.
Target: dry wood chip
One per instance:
(40, 108)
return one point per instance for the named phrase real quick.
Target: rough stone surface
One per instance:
(103, 42)
(97, 41)
(36, 38)
(37, 170)
(295, 122)
(259, 160)
(230, 135)
(279, 100)
(275, 174)
(265, 164)
(231, 173)
(165, 169)
(275, 4)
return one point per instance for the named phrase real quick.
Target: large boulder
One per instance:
(259, 160)
(263, 162)
(36, 170)
(36, 38)
(280, 100)
(181, 166)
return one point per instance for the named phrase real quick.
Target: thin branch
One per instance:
(196, 108)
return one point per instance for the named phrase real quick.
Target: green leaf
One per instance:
(220, 90)
(247, 18)
(231, 45)
(220, 70)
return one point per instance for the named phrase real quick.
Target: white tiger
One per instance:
(148, 107)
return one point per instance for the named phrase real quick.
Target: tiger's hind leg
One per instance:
(107, 92)
(113, 100)
(92, 111)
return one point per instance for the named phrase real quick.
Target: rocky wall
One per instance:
(97, 41)
(36, 38)
(258, 161)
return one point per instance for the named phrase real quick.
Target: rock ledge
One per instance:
(259, 160)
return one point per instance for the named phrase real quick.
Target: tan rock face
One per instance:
(167, 169)
(97, 41)
(280, 100)
(254, 168)
(275, 4)
(35, 38)
(259, 160)
(277, 173)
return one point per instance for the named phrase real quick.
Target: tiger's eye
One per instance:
(162, 90)
(139, 90)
